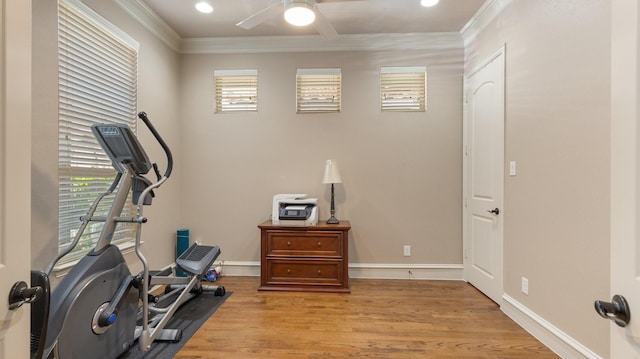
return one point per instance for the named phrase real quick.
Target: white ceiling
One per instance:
(347, 17)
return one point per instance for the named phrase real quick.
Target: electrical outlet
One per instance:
(407, 251)
(525, 286)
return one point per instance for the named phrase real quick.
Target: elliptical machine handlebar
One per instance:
(134, 157)
(143, 116)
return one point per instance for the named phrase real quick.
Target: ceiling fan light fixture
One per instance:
(299, 13)
(204, 7)
(428, 3)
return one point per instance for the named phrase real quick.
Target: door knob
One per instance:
(617, 310)
(20, 293)
(495, 211)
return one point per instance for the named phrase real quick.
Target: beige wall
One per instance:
(557, 129)
(401, 172)
(158, 90)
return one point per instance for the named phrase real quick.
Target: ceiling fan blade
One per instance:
(261, 16)
(324, 27)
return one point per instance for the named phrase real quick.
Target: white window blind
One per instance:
(403, 88)
(318, 90)
(97, 84)
(236, 91)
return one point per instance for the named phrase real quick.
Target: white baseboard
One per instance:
(555, 339)
(239, 268)
(406, 271)
(364, 270)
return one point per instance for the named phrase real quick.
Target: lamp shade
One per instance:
(331, 172)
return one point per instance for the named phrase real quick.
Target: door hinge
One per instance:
(465, 202)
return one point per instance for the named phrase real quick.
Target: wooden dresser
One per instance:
(305, 258)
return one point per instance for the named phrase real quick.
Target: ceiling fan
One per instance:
(309, 7)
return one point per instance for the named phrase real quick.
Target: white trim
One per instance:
(149, 19)
(239, 268)
(485, 15)
(262, 44)
(320, 71)
(94, 16)
(358, 270)
(363, 42)
(402, 69)
(406, 271)
(365, 270)
(555, 339)
(489, 59)
(248, 72)
(487, 288)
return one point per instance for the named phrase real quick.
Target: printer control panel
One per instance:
(289, 211)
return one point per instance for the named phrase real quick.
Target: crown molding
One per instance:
(362, 42)
(94, 16)
(149, 19)
(485, 15)
(261, 44)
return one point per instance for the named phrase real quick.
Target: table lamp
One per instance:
(332, 175)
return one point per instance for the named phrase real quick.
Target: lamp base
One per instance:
(333, 220)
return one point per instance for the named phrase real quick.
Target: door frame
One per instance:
(625, 171)
(15, 171)
(465, 172)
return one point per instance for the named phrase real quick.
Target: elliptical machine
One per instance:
(95, 308)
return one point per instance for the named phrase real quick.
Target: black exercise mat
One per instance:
(189, 318)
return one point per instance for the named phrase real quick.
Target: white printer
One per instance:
(294, 210)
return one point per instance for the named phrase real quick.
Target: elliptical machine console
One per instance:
(94, 309)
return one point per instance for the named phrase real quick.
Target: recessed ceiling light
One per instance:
(204, 7)
(427, 3)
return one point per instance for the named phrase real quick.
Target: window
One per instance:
(97, 84)
(403, 88)
(236, 91)
(318, 90)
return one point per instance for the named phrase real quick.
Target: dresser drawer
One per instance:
(304, 272)
(324, 244)
(310, 259)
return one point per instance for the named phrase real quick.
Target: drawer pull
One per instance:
(319, 272)
(288, 271)
(319, 244)
(289, 243)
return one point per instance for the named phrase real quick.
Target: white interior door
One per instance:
(15, 171)
(483, 176)
(625, 176)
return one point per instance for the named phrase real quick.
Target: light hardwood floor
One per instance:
(379, 319)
